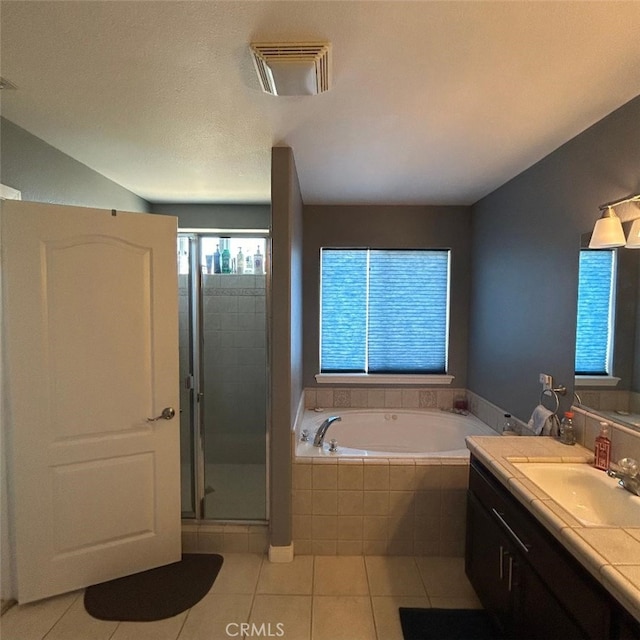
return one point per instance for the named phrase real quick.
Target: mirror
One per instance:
(620, 403)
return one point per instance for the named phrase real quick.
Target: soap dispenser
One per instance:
(603, 448)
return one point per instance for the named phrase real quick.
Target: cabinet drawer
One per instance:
(574, 588)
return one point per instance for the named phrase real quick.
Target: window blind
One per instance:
(595, 312)
(384, 311)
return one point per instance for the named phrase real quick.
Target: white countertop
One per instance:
(610, 554)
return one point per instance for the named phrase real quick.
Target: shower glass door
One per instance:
(229, 373)
(186, 254)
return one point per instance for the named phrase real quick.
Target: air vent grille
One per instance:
(271, 60)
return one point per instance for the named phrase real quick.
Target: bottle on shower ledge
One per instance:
(216, 260)
(226, 260)
(258, 263)
(240, 261)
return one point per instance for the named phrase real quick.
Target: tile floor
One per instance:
(312, 598)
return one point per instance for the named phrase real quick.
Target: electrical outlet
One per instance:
(545, 380)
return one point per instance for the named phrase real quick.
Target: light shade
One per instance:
(633, 242)
(607, 232)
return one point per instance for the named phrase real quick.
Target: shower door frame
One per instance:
(197, 397)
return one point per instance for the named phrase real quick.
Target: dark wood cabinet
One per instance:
(533, 587)
(489, 564)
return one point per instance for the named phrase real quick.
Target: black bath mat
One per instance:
(447, 624)
(155, 594)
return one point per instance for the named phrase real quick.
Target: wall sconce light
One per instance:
(633, 241)
(608, 232)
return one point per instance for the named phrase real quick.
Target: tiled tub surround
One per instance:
(610, 554)
(379, 506)
(405, 398)
(381, 398)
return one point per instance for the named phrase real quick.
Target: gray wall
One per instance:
(44, 174)
(388, 227)
(216, 216)
(286, 333)
(526, 238)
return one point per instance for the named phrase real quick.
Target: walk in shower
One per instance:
(223, 287)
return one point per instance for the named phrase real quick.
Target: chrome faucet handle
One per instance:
(629, 467)
(333, 445)
(304, 436)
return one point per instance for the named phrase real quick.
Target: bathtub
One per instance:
(391, 433)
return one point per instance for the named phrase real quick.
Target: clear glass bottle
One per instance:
(567, 432)
(509, 425)
(216, 260)
(248, 264)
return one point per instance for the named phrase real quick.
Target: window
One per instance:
(384, 311)
(594, 335)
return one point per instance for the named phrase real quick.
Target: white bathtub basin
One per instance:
(586, 493)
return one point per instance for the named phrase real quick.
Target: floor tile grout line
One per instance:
(373, 616)
(184, 622)
(116, 629)
(313, 595)
(424, 584)
(255, 588)
(63, 614)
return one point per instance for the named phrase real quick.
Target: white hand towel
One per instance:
(551, 426)
(538, 419)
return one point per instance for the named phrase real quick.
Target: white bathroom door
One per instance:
(91, 335)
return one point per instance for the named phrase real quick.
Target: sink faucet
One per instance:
(627, 473)
(322, 430)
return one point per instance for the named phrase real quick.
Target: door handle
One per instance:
(167, 414)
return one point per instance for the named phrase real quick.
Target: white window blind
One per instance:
(594, 333)
(384, 311)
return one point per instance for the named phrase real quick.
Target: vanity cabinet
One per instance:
(525, 578)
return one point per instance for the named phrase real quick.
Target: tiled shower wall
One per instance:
(235, 372)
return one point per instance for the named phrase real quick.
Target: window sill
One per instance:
(596, 381)
(386, 379)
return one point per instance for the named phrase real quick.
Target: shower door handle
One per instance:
(167, 414)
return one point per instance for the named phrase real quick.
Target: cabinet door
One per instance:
(489, 563)
(538, 614)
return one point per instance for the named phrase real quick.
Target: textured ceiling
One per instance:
(431, 103)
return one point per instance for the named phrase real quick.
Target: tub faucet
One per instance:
(322, 430)
(627, 473)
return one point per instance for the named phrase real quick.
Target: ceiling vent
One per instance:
(292, 68)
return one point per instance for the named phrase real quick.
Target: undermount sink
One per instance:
(586, 493)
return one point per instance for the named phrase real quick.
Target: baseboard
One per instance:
(281, 554)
